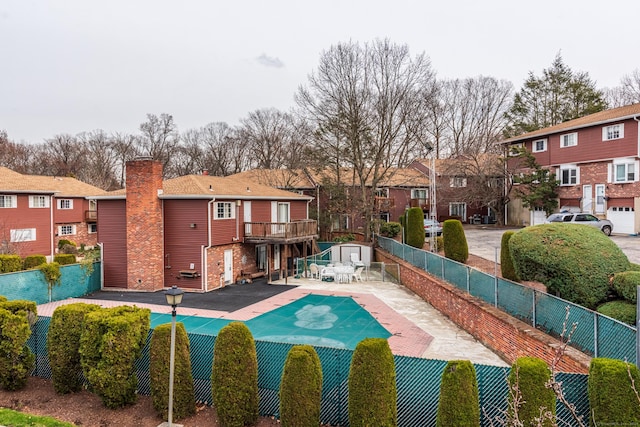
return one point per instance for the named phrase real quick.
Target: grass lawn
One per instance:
(19, 419)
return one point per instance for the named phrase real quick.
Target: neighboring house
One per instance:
(198, 232)
(596, 161)
(467, 188)
(337, 195)
(38, 211)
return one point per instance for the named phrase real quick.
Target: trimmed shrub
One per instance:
(234, 376)
(52, 275)
(390, 229)
(528, 377)
(612, 400)
(634, 267)
(626, 284)
(10, 263)
(575, 262)
(65, 259)
(63, 344)
(184, 402)
(3, 298)
(439, 243)
(415, 228)
(111, 342)
(33, 261)
(506, 263)
(623, 311)
(63, 242)
(16, 359)
(25, 308)
(455, 242)
(372, 385)
(459, 403)
(301, 388)
(68, 249)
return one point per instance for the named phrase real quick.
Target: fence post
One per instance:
(637, 327)
(495, 278)
(468, 279)
(533, 311)
(595, 334)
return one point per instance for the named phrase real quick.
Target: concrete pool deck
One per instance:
(417, 329)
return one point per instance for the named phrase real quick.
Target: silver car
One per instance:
(603, 225)
(432, 227)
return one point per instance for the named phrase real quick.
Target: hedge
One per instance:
(33, 261)
(455, 242)
(459, 403)
(612, 399)
(10, 263)
(527, 380)
(623, 311)
(65, 259)
(301, 388)
(626, 284)
(16, 359)
(506, 262)
(415, 228)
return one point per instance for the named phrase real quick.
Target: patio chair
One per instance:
(327, 273)
(314, 270)
(355, 259)
(357, 274)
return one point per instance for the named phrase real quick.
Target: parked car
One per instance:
(431, 227)
(603, 225)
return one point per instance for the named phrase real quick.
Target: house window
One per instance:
(92, 228)
(458, 209)
(23, 235)
(613, 132)
(624, 172)
(419, 193)
(568, 175)
(38, 201)
(458, 181)
(539, 145)
(514, 149)
(383, 192)
(8, 201)
(65, 204)
(569, 140)
(224, 210)
(66, 230)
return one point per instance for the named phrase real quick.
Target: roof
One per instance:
(11, 181)
(465, 165)
(394, 177)
(208, 186)
(279, 178)
(607, 116)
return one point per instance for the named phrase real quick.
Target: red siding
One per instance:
(112, 233)
(260, 211)
(182, 242)
(298, 210)
(23, 217)
(69, 216)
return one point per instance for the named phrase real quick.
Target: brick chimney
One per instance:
(145, 235)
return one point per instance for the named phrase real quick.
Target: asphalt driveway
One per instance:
(484, 241)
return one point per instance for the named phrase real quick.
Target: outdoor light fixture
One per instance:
(174, 298)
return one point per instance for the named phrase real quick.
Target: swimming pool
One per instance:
(322, 320)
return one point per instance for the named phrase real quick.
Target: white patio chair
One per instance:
(314, 270)
(357, 274)
(327, 272)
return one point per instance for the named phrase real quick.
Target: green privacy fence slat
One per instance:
(417, 380)
(596, 335)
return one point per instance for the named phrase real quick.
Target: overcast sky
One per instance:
(69, 66)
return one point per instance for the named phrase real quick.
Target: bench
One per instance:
(249, 275)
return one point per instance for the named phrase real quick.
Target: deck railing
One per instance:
(281, 230)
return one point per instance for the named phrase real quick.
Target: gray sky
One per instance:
(69, 66)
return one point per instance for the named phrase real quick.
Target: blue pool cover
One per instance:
(322, 320)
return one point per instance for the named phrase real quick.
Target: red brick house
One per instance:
(596, 161)
(198, 232)
(37, 211)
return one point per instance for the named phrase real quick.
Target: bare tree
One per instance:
(159, 139)
(101, 162)
(365, 101)
(125, 147)
(627, 93)
(12, 155)
(63, 155)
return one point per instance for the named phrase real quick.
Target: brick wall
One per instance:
(145, 247)
(507, 336)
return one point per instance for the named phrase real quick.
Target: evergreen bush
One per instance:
(64, 259)
(626, 284)
(612, 400)
(506, 262)
(32, 261)
(527, 379)
(623, 311)
(372, 385)
(64, 242)
(575, 262)
(301, 388)
(63, 345)
(455, 242)
(110, 344)
(16, 359)
(184, 403)
(415, 228)
(234, 376)
(390, 229)
(459, 403)
(10, 263)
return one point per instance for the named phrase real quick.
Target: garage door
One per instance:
(622, 219)
(538, 215)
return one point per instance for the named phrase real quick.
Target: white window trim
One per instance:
(73, 230)
(624, 161)
(60, 201)
(575, 139)
(89, 226)
(605, 132)
(533, 145)
(13, 203)
(458, 179)
(232, 213)
(23, 235)
(568, 167)
(415, 196)
(36, 205)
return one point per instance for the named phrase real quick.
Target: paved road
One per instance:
(484, 241)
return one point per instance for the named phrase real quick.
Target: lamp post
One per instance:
(174, 298)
